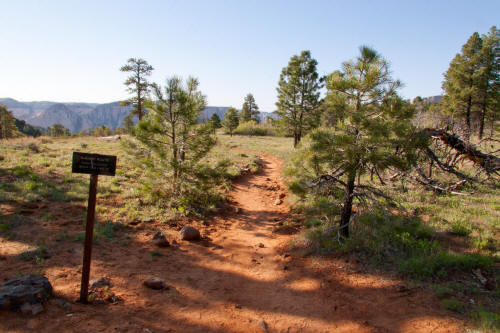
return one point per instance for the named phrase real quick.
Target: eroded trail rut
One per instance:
(238, 280)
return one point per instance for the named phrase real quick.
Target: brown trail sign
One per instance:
(93, 164)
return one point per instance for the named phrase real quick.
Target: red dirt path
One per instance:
(233, 281)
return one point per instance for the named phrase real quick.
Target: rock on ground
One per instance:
(189, 233)
(155, 283)
(30, 289)
(160, 240)
(100, 283)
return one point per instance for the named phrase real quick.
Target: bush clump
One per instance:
(254, 129)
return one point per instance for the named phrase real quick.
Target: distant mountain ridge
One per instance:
(82, 116)
(433, 99)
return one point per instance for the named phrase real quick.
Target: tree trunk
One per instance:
(483, 115)
(467, 118)
(139, 100)
(347, 207)
(295, 140)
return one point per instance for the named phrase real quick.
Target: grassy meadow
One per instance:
(39, 170)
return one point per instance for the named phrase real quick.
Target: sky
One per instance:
(72, 51)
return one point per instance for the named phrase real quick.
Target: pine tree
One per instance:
(489, 79)
(299, 96)
(170, 144)
(137, 84)
(249, 110)
(8, 128)
(461, 82)
(231, 120)
(58, 130)
(216, 122)
(372, 132)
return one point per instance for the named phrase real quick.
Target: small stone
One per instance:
(237, 210)
(263, 324)
(261, 245)
(286, 255)
(113, 299)
(160, 240)
(62, 304)
(237, 306)
(36, 308)
(278, 202)
(100, 283)
(155, 283)
(285, 267)
(282, 195)
(189, 233)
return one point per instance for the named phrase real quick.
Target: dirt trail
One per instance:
(234, 281)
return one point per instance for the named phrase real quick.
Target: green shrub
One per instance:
(4, 227)
(442, 291)
(487, 320)
(460, 228)
(452, 304)
(254, 129)
(33, 147)
(104, 230)
(20, 171)
(443, 263)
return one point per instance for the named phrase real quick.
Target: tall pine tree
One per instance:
(170, 144)
(8, 128)
(489, 79)
(461, 82)
(372, 131)
(231, 120)
(299, 96)
(137, 84)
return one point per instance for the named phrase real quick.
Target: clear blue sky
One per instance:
(72, 50)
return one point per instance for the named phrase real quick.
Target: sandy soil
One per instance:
(240, 278)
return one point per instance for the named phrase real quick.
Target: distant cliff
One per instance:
(80, 116)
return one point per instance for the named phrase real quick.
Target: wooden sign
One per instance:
(93, 164)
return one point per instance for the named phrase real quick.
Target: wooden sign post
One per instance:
(93, 164)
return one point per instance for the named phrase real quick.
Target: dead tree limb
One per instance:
(488, 162)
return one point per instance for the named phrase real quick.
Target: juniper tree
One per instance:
(461, 82)
(231, 120)
(299, 96)
(371, 134)
(137, 84)
(170, 145)
(249, 110)
(8, 128)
